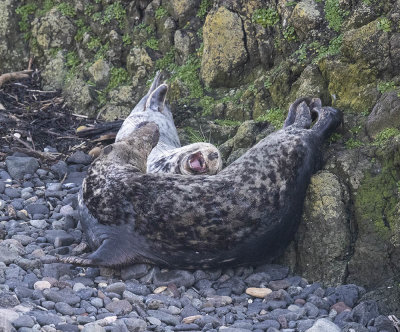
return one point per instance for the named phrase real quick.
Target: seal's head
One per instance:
(200, 158)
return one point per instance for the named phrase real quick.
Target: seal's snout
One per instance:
(197, 163)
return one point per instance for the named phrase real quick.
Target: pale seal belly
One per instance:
(168, 156)
(245, 214)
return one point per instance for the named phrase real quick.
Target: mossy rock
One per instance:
(367, 44)
(79, 95)
(352, 86)
(100, 73)
(306, 16)
(182, 10)
(323, 239)
(54, 72)
(377, 212)
(54, 30)
(223, 62)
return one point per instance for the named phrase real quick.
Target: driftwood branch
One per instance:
(14, 76)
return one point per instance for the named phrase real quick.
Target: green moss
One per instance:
(266, 17)
(188, 74)
(385, 135)
(204, 8)
(334, 14)
(335, 137)
(47, 6)
(118, 77)
(147, 28)
(161, 12)
(25, 12)
(377, 198)
(267, 82)
(291, 4)
(274, 116)
(384, 24)
(66, 9)
(386, 86)
(332, 49)
(151, 43)
(353, 143)
(227, 122)
(301, 53)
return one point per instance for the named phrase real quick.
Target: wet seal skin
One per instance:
(168, 156)
(245, 214)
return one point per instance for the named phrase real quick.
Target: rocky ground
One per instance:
(38, 221)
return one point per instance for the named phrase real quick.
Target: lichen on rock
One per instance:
(223, 62)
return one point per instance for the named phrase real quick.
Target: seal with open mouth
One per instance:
(168, 156)
(245, 214)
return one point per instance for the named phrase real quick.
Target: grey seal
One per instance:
(245, 214)
(168, 156)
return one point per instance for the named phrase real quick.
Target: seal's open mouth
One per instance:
(197, 163)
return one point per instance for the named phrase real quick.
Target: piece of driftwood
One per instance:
(105, 128)
(14, 76)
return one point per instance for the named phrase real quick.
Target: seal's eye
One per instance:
(197, 163)
(212, 156)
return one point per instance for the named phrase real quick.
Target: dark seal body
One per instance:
(245, 214)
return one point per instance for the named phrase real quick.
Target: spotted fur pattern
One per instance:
(167, 156)
(245, 214)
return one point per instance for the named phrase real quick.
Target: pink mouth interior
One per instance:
(197, 163)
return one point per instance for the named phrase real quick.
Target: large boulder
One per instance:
(223, 61)
(53, 30)
(13, 54)
(385, 114)
(368, 44)
(306, 16)
(323, 240)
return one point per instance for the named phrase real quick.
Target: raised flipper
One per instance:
(327, 121)
(312, 103)
(156, 100)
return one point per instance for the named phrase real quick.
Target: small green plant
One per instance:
(207, 103)
(353, 143)
(82, 29)
(266, 17)
(115, 11)
(252, 88)
(24, 12)
(334, 14)
(291, 3)
(188, 74)
(151, 43)
(126, 40)
(386, 86)
(205, 6)
(384, 24)
(118, 76)
(147, 28)
(267, 82)
(66, 9)
(356, 129)
(94, 43)
(161, 12)
(322, 51)
(102, 52)
(194, 135)
(335, 137)
(227, 122)
(47, 5)
(72, 60)
(167, 62)
(89, 9)
(301, 53)
(289, 34)
(385, 135)
(274, 116)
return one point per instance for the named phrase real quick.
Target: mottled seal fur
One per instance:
(168, 156)
(245, 214)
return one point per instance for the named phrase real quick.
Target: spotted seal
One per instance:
(168, 156)
(245, 214)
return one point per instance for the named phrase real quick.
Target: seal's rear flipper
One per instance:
(328, 120)
(156, 100)
(292, 117)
